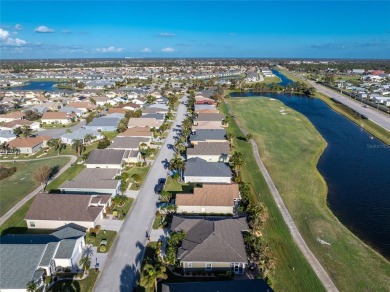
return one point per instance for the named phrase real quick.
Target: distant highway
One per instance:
(378, 117)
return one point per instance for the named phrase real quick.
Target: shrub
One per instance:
(103, 248)
(97, 229)
(6, 172)
(136, 177)
(48, 280)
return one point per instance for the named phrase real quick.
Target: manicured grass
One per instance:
(58, 126)
(110, 135)
(290, 147)
(142, 172)
(68, 174)
(157, 221)
(15, 187)
(270, 80)
(174, 186)
(85, 285)
(103, 234)
(16, 223)
(124, 209)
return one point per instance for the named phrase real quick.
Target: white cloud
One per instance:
(167, 34)
(6, 40)
(110, 50)
(18, 26)
(66, 31)
(168, 50)
(44, 29)
(146, 50)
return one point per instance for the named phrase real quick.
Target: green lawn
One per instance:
(157, 221)
(270, 80)
(142, 172)
(290, 147)
(124, 209)
(16, 224)
(21, 183)
(68, 174)
(85, 285)
(174, 186)
(103, 234)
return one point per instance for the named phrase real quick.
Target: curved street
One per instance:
(15, 208)
(125, 257)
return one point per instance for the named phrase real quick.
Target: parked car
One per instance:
(160, 186)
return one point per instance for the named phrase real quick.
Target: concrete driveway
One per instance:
(125, 257)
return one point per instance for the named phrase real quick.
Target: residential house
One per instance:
(12, 116)
(202, 107)
(93, 181)
(71, 110)
(251, 285)
(103, 124)
(212, 244)
(128, 143)
(145, 122)
(6, 136)
(105, 158)
(211, 198)
(199, 170)
(56, 118)
(32, 257)
(208, 135)
(137, 132)
(20, 123)
(117, 110)
(210, 151)
(29, 145)
(209, 117)
(79, 134)
(52, 211)
(84, 106)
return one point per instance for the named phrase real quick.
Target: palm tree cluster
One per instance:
(178, 164)
(151, 273)
(236, 161)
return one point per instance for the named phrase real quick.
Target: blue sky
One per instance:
(263, 29)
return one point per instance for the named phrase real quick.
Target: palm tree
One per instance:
(237, 161)
(31, 286)
(151, 274)
(85, 263)
(26, 131)
(78, 146)
(88, 137)
(57, 144)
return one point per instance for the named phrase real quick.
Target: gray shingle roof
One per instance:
(65, 249)
(48, 254)
(210, 148)
(209, 117)
(79, 134)
(211, 239)
(127, 142)
(105, 156)
(93, 178)
(200, 167)
(104, 122)
(152, 116)
(205, 134)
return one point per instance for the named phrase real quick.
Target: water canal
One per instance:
(355, 165)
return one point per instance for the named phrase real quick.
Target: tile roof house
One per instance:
(82, 105)
(210, 151)
(212, 244)
(210, 198)
(93, 181)
(208, 135)
(56, 118)
(137, 132)
(29, 145)
(199, 170)
(207, 125)
(30, 257)
(51, 211)
(12, 116)
(145, 122)
(19, 123)
(105, 158)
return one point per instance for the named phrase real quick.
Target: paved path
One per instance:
(126, 254)
(382, 119)
(15, 208)
(314, 263)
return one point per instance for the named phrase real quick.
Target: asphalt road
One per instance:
(378, 117)
(56, 133)
(15, 208)
(125, 257)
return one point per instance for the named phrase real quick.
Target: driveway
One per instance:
(56, 133)
(125, 257)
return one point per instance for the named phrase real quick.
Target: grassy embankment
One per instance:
(290, 147)
(270, 80)
(293, 273)
(371, 127)
(15, 187)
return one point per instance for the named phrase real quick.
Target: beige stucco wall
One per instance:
(51, 224)
(205, 209)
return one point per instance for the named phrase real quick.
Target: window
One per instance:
(189, 265)
(32, 224)
(209, 266)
